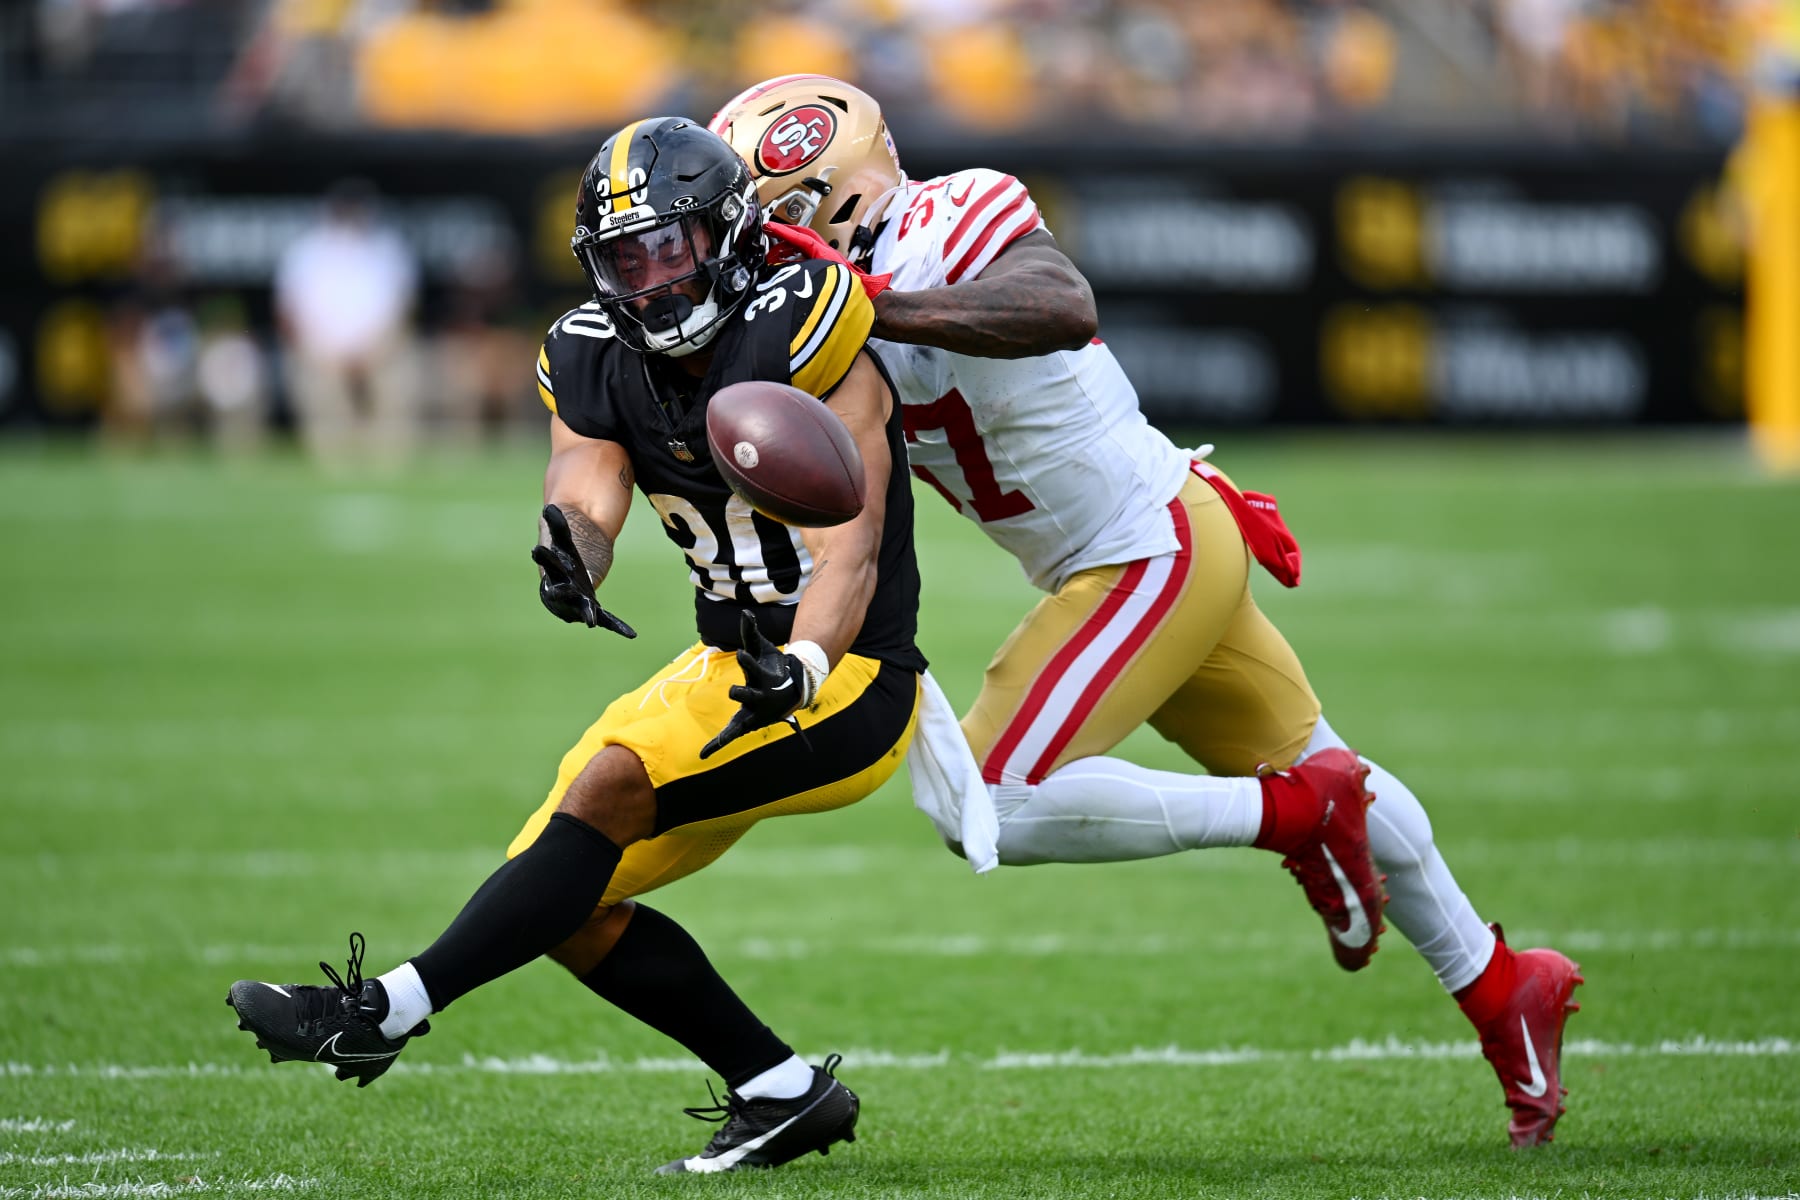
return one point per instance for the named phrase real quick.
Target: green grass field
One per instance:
(245, 709)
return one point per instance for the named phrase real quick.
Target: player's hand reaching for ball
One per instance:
(777, 683)
(564, 584)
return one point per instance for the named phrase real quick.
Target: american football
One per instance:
(785, 453)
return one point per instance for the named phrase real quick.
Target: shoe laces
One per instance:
(318, 1003)
(734, 1105)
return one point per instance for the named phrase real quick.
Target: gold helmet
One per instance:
(820, 154)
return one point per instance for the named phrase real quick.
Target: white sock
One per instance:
(1110, 810)
(1425, 903)
(408, 1003)
(783, 1081)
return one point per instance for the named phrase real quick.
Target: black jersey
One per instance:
(803, 324)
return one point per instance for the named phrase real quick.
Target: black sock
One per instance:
(525, 909)
(658, 974)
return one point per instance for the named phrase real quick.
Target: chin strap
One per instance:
(707, 314)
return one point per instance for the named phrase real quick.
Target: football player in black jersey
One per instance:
(800, 696)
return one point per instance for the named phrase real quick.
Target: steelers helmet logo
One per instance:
(798, 137)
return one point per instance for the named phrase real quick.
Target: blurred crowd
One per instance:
(347, 346)
(348, 359)
(1224, 68)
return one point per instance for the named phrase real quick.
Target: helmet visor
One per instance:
(669, 257)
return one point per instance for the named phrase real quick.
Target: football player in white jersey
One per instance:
(1020, 417)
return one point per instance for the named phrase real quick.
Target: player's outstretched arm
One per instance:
(778, 682)
(1031, 300)
(587, 494)
(845, 556)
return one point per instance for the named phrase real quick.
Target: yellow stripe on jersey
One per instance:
(615, 170)
(828, 287)
(546, 392)
(833, 334)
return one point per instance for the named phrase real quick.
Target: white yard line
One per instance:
(295, 960)
(95, 1158)
(67, 1190)
(192, 1070)
(1755, 633)
(1358, 1050)
(34, 1125)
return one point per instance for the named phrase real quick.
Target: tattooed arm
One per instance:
(1030, 301)
(590, 480)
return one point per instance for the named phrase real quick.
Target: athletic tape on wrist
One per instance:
(817, 666)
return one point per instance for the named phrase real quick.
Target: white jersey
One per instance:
(1049, 455)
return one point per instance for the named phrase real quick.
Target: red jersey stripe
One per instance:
(974, 252)
(981, 202)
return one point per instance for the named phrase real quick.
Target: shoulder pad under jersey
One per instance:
(956, 225)
(575, 341)
(821, 312)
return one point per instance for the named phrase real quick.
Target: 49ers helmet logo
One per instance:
(796, 139)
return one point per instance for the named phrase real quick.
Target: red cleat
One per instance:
(1524, 1040)
(1330, 857)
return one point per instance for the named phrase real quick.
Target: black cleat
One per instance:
(767, 1133)
(339, 1025)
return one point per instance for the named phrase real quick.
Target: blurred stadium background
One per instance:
(1416, 265)
(1535, 212)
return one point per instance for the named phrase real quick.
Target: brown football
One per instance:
(788, 455)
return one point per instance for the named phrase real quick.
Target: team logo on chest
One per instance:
(796, 139)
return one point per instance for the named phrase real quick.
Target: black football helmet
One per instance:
(669, 232)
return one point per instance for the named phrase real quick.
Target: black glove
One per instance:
(775, 685)
(565, 586)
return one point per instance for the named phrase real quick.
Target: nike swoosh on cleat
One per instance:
(735, 1155)
(1538, 1085)
(277, 988)
(1357, 933)
(329, 1053)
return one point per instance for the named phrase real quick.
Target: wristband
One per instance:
(816, 666)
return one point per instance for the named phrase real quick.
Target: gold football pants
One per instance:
(1175, 641)
(856, 735)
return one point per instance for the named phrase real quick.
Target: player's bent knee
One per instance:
(595, 939)
(613, 794)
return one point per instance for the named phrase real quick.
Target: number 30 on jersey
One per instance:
(775, 292)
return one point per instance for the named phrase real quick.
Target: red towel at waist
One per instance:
(1259, 520)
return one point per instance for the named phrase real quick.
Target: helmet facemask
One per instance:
(843, 213)
(663, 284)
(668, 263)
